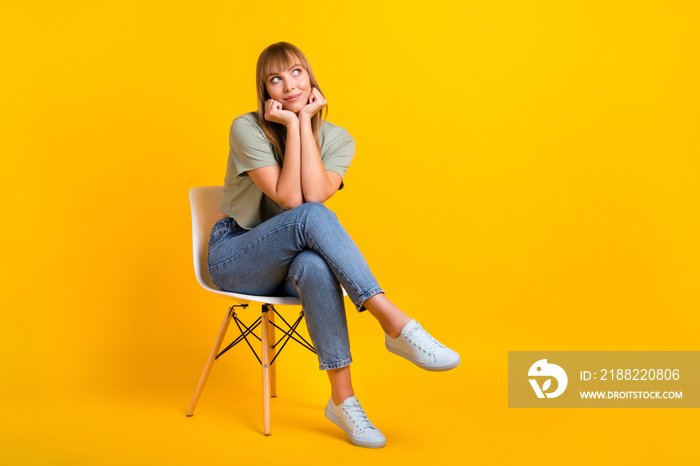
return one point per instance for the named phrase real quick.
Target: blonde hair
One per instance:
(280, 56)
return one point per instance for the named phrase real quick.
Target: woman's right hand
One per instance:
(274, 113)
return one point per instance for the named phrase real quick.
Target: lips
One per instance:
(292, 98)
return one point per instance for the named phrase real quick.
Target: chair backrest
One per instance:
(204, 202)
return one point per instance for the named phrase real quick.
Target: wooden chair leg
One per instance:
(265, 330)
(210, 362)
(273, 351)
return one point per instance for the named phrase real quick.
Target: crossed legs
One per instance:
(306, 252)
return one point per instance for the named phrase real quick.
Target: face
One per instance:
(289, 87)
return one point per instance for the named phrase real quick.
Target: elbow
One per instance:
(317, 197)
(289, 204)
(288, 200)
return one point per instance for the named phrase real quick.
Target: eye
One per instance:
(300, 71)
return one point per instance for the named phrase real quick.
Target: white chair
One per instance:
(204, 202)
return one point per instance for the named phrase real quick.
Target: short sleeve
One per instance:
(249, 147)
(339, 151)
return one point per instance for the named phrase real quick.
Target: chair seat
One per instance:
(280, 300)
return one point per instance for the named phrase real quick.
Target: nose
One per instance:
(288, 85)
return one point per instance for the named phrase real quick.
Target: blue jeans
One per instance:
(303, 252)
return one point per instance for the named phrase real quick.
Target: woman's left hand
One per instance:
(316, 103)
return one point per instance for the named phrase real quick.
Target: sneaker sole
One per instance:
(422, 365)
(335, 420)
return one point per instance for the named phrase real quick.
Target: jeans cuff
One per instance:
(364, 297)
(335, 365)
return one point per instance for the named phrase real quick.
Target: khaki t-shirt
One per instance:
(250, 149)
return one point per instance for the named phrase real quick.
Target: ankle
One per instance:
(338, 398)
(394, 328)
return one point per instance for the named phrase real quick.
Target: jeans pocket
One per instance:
(216, 236)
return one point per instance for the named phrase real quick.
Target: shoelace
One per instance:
(357, 416)
(423, 340)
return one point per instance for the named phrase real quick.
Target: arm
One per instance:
(317, 183)
(282, 184)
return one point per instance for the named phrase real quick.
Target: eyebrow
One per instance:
(293, 66)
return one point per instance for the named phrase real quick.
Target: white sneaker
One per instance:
(350, 417)
(419, 347)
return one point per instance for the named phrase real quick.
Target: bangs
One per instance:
(279, 60)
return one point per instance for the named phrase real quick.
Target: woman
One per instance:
(274, 236)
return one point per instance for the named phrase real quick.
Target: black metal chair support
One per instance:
(287, 334)
(306, 344)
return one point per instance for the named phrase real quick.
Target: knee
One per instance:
(317, 211)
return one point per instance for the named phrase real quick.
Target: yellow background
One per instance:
(525, 179)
